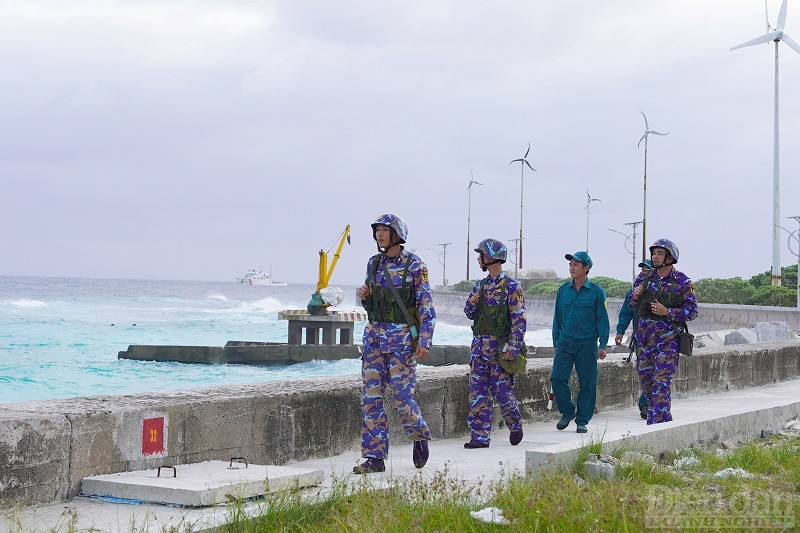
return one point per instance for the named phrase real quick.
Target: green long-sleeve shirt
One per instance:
(581, 315)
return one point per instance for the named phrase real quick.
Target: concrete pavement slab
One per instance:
(200, 484)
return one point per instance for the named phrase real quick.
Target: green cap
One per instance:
(581, 256)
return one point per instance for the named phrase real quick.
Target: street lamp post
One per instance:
(633, 245)
(516, 252)
(443, 261)
(469, 209)
(632, 239)
(796, 235)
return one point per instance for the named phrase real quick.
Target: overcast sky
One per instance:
(196, 139)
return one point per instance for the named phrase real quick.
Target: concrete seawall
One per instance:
(711, 317)
(47, 447)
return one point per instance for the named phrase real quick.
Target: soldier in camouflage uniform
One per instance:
(393, 343)
(664, 300)
(626, 316)
(497, 307)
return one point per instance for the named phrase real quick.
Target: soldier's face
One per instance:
(383, 234)
(660, 257)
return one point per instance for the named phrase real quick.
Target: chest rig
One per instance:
(381, 305)
(492, 319)
(655, 288)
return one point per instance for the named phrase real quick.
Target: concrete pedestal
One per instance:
(331, 326)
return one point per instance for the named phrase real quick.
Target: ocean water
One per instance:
(59, 337)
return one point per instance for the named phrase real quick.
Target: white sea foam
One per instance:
(219, 297)
(26, 302)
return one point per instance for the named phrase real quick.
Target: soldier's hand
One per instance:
(601, 354)
(618, 340)
(474, 298)
(507, 356)
(363, 292)
(637, 291)
(421, 352)
(658, 308)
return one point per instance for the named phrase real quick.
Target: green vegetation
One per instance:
(755, 291)
(463, 286)
(545, 288)
(642, 496)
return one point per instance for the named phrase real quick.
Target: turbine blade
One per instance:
(758, 40)
(766, 15)
(646, 125)
(529, 165)
(659, 133)
(477, 183)
(640, 140)
(587, 194)
(528, 150)
(782, 15)
(515, 160)
(788, 40)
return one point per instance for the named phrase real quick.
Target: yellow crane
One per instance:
(317, 306)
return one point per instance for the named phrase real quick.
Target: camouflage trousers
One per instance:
(397, 371)
(488, 380)
(657, 362)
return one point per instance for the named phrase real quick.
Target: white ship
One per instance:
(259, 277)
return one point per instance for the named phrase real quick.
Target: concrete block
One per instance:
(773, 332)
(601, 466)
(710, 339)
(740, 336)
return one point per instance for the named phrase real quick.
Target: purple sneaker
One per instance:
(515, 437)
(474, 444)
(420, 454)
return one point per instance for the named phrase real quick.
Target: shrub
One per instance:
(778, 296)
(724, 291)
(544, 288)
(463, 286)
(614, 288)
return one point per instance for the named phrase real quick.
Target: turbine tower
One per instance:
(647, 132)
(589, 200)
(522, 162)
(776, 36)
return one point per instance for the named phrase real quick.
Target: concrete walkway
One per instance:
(739, 415)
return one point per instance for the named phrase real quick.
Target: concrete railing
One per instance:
(48, 447)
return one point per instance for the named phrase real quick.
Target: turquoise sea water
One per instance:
(59, 337)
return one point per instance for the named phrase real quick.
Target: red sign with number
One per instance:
(153, 436)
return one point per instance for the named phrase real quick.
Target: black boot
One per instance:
(369, 466)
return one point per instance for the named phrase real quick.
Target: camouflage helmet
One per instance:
(394, 222)
(493, 249)
(668, 245)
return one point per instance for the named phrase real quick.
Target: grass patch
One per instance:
(642, 497)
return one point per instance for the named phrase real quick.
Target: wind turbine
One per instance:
(522, 162)
(647, 132)
(469, 210)
(589, 200)
(777, 35)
